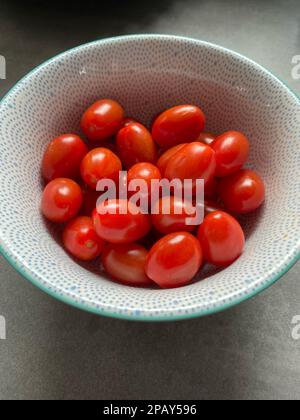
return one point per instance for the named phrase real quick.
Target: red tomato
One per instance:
(232, 151)
(81, 240)
(123, 222)
(126, 264)
(242, 192)
(146, 172)
(211, 189)
(194, 161)
(165, 158)
(102, 120)
(177, 125)
(135, 144)
(206, 138)
(222, 238)
(174, 260)
(98, 164)
(63, 157)
(61, 200)
(90, 198)
(175, 221)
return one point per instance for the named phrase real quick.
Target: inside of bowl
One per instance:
(147, 74)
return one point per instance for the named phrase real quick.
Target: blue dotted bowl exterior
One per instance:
(148, 73)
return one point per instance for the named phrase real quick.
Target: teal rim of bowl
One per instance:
(161, 318)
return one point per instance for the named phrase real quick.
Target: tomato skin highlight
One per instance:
(182, 123)
(165, 158)
(98, 164)
(63, 157)
(135, 145)
(194, 161)
(171, 223)
(102, 119)
(232, 152)
(61, 200)
(174, 260)
(121, 228)
(81, 240)
(206, 138)
(242, 192)
(222, 239)
(126, 264)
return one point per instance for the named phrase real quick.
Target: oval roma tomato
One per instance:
(174, 260)
(144, 172)
(206, 138)
(102, 120)
(126, 264)
(182, 123)
(165, 158)
(171, 213)
(120, 222)
(81, 240)
(242, 192)
(222, 238)
(63, 157)
(135, 144)
(98, 164)
(61, 200)
(194, 161)
(232, 151)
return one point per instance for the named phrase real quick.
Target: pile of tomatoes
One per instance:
(135, 247)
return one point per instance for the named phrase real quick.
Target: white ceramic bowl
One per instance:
(148, 73)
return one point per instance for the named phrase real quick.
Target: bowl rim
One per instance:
(4, 250)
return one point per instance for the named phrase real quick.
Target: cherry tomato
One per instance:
(242, 192)
(174, 260)
(63, 157)
(61, 200)
(90, 198)
(194, 161)
(135, 144)
(177, 125)
(122, 222)
(206, 138)
(98, 164)
(222, 238)
(146, 172)
(126, 264)
(211, 189)
(171, 213)
(81, 240)
(165, 158)
(102, 120)
(232, 151)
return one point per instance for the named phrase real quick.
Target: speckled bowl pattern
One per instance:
(148, 73)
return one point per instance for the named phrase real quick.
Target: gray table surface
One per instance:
(53, 351)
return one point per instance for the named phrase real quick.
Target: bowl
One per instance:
(148, 73)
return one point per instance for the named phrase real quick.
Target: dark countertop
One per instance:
(54, 351)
